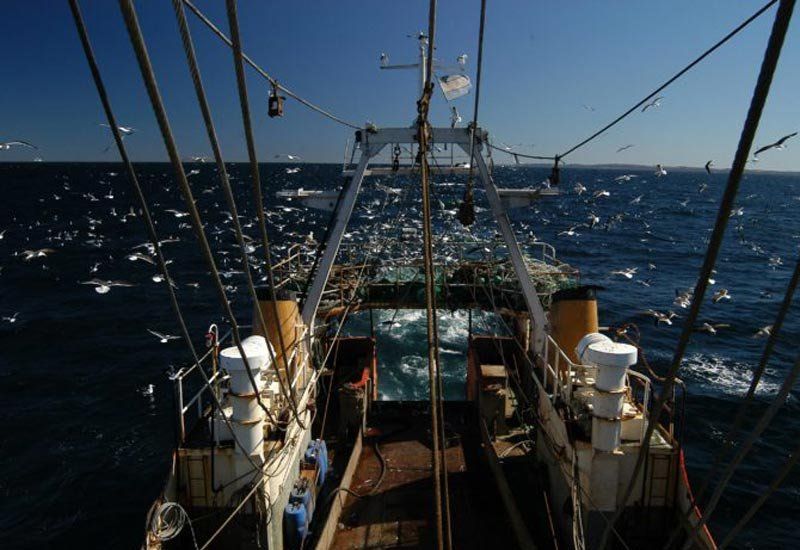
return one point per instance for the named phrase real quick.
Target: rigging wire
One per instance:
(747, 444)
(728, 441)
(202, 100)
(148, 219)
(768, 66)
(149, 78)
(441, 504)
(675, 77)
(466, 211)
(233, 19)
(208, 23)
(776, 482)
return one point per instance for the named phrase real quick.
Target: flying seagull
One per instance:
(624, 147)
(124, 130)
(29, 255)
(163, 338)
(655, 103)
(290, 157)
(103, 287)
(709, 164)
(6, 145)
(777, 145)
(660, 171)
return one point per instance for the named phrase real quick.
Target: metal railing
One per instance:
(559, 376)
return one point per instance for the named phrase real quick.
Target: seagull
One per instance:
(655, 103)
(588, 107)
(636, 200)
(625, 177)
(600, 193)
(684, 298)
(721, 294)
(148, 390)
(455, 118)
(384, 60)
(292, 170)
(177, 213)
(763, 331)
(462, 60)
(777, 145)
(198, 159)
(624, 147)
(570, 232)
(139, 256)
(290, 157)
(6, 145)
(627, 273)
(662, 317)
(709, 164)
(579, 188)
(660, 171)
(103, 287)
(12, 318)
(124, 130)
(709, 328)
(29, 255)
(163, 338)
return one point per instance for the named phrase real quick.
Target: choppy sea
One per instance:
(85, 446)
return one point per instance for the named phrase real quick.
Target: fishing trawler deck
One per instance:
(393, 474)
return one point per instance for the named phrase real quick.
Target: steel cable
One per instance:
(257, 195)
(675, 77)
(759, 98)
(149, 78)
(208, 23)
(148, 219)
(202, 100)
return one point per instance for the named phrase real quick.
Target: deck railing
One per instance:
(560, 375)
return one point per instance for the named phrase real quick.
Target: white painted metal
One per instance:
(439, 135)
(245, 408)
(251, 436)
(256, 349)
(538, 318)
(312, 198)
(612, 360)
(586, 341)
(407, 170)
(335, 237)
(606, 434)
(607, 404)
(523, 198)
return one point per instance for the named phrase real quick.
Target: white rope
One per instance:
(169, 520)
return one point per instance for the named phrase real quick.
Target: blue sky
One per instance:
(543, 61)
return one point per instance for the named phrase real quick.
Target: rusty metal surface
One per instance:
(398, 513)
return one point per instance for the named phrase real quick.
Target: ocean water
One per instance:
(84, 447)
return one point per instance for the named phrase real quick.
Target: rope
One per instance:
(149, 78)
(208, 23)
(202, 100)
(759, 98)
(466, 211)
(169, 521)
(521, 155)
(441, 504)
(146, 216)
(776, 483)
(733, 431)
(257, 196)
(747, 444)
(675, 77)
